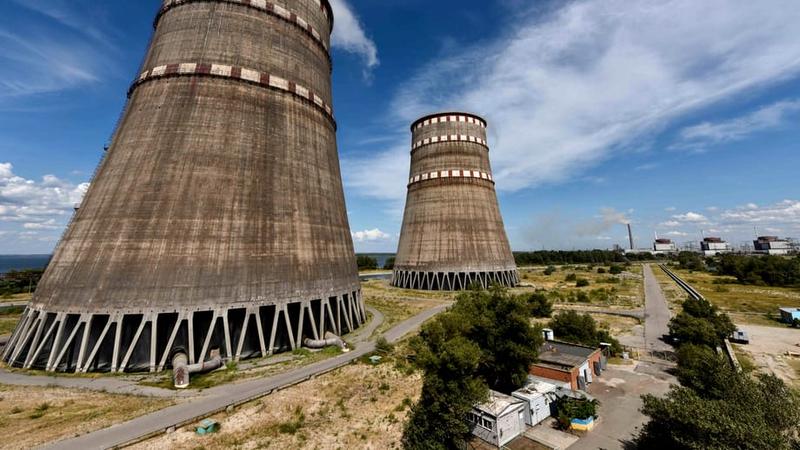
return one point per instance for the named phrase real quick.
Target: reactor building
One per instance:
(216, 219)
(453, 234)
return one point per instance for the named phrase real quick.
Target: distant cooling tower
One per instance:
(453, 234)
(217, 217)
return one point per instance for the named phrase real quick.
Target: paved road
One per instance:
(657, 314)
(219, 398)
(619, 391)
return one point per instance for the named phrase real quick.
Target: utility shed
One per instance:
(789, 315)
(537, 396)
(565, 362)
(498, 421)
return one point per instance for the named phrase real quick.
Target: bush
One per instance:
(701, 323)
(581, 282)
(615, 270)
(571, 278)
(383, 346)
(539, 305)
(549, 270)
(601, 270)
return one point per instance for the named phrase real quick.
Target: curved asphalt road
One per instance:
(219, 398)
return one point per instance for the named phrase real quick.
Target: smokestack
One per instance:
(630, 236)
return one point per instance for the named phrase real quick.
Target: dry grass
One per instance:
(628, 287)
(358, 406)
(15, 298)
(674, 294)
(752, 303)
(32, 416)
(8, 322)
(398, 305)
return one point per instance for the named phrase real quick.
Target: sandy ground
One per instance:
(359, 406)
(768, 348)
(31, 416)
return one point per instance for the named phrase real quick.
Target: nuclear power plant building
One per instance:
(216, 220)
(453, 234)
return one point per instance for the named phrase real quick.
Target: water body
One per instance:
(22, 262)
(380, 257)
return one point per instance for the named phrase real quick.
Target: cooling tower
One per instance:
(453, 234)
(216, 219)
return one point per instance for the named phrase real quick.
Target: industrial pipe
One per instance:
(181, 369)
(329, 341)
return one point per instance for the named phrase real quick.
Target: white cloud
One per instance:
(36, 205)
(370, 235)
(676, 234)
(567, 90)
(707, 134)
(349, 35)
(785, 212)
(671, 223)
(691, 217)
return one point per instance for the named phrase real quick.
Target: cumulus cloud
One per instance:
(29, 206)
(707, 134)
(785, 212)
(349, 35)
(565, 91)
(370, 235)
(691, 217)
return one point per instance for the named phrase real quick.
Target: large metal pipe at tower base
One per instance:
(182, 370)
(453, 235)
(217, 217)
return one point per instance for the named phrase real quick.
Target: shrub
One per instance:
(601, 270)
(615, 270)
(581, 282)
(383, 346)
(571, 278)
(539, 305)
(549, 270)
(366, 263)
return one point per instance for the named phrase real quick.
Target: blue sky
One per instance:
(678, 116)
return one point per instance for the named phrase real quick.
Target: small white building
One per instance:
(713, 246)
(538, 396)
(771, 245)
(498, 421)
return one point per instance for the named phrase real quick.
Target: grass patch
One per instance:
(584, 284)
(8, 323)
(745, 360)
(738, 298)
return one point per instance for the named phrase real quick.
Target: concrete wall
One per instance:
(452, 222)
(220, 191)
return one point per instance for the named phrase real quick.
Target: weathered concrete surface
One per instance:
(217, 194)
(452, 223)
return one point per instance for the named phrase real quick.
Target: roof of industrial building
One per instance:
(534, 389)
(790, 310)
(564, 354)
(498, 403)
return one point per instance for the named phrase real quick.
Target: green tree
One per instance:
(749, 414)
(701, 323)
(581, 282)
(539, 305)
(485, 340)
(615, 270)
(389, 264)
(703, 370)
(691, 261)
(569, 326)
(366, 262)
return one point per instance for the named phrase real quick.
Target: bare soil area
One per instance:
(32, 416)
(769, 349)
(359, 406)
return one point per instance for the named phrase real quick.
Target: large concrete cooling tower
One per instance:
(453, 233)
(217, 217)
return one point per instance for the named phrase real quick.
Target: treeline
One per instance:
(20, 281)
(558, 257)
(717, 407)
(761, 270)
(366, 262)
